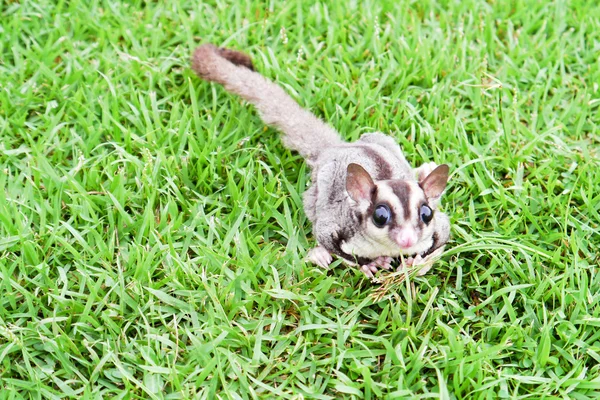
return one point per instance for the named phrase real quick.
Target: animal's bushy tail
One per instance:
(302, 131)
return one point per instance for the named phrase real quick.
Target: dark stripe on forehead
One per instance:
(384, 168)
(402, 191)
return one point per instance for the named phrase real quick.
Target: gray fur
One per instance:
(304, 132)
(341, 225)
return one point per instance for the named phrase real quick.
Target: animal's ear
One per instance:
(359, 183)
(433, 185)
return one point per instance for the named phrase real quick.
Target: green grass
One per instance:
(152, 232)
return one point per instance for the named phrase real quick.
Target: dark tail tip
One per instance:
(236, 57)
(207, 61)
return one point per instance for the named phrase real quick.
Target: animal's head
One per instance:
(397, 214)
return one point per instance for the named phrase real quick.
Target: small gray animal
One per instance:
(366, 204)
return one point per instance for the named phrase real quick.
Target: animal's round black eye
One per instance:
(426, 213)
(382, 215)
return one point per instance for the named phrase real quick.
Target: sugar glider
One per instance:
(366, 204)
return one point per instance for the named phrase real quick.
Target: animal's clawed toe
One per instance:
(367, 270)
(320, 256)
(422, 264)
(384, 262)
(380, 262)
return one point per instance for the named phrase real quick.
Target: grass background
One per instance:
(152, 233)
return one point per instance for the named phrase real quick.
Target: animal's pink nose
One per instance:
(406, 242)
(406, 237)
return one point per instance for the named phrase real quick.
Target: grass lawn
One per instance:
(151, 228)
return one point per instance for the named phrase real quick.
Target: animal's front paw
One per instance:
(320, 256)
(380, 262)
(419, 263)
(422, 264)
